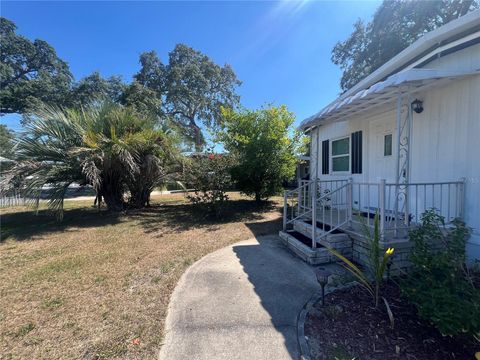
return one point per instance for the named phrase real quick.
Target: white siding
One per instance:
(445, 144)
(464, 60)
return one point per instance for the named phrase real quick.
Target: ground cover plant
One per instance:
(97, 285)
(350, 327)
(433, 309)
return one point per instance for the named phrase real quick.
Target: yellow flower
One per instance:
(389, 251)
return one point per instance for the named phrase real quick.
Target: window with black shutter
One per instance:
(357, 152)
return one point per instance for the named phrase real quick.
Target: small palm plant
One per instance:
(376, 266)
(108, 146)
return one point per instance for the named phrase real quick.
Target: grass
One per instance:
(97, 285)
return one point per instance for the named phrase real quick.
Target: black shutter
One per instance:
(357, 152)
(325, 157)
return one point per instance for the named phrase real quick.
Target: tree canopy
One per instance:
(192, 88)
(186, 92)
(263, 148)
(7, 137)
(30, 72)
(395, 25)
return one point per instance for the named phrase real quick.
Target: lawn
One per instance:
(97, 285)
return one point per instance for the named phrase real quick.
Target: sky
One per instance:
(280, 50)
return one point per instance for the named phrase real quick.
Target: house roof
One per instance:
(383, 92)
(464, 28)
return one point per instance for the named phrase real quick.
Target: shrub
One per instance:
(210, 178)
(440, 285)
(261, 140)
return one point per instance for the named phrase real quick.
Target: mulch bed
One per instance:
(349, 327)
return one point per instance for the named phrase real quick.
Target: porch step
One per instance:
(337, 239)
(311, 256)
(297, 242)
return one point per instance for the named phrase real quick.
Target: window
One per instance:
(387, 145)
(341, 154)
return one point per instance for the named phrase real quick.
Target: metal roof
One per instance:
(381, 93)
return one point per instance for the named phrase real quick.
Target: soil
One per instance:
(349, 327)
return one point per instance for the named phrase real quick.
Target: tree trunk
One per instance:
(139, 197)
(112, 193)
(258, 198)
(113, 202)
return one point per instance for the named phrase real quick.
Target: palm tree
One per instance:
(111, 147)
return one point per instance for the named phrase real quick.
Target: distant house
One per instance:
(403, 140)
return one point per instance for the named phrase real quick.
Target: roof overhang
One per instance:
(382, 93)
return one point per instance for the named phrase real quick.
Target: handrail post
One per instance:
(314, 214)
(285, 198)
(462, 198)
(299, 199)
(382, 208)
(350, 201)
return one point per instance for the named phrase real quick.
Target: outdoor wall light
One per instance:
(417, 106)
(322, 277)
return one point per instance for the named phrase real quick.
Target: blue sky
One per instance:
(279, 50)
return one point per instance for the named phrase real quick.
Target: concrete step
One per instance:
(337, 240)
(319, 255)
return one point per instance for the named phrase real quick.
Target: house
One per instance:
(403, 140)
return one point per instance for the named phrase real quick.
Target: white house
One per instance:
(404, 139)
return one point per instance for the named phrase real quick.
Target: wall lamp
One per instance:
(417, 106)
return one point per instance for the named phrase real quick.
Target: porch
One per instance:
(348, 207)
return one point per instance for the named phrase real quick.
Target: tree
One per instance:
(30, 72)
(7, 137)
(157, 159)
(260, 142)
(395, 25)
(109, 146)
(142, 98)
(192, 88)
(95, 88)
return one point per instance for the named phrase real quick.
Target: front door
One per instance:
(381, 162)
(382, 151)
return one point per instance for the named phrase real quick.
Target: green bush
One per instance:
(440, 285)
(210, 178)
(264, 144)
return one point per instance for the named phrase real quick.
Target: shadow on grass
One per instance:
(158, 218)
(25, 225)
(170, 218)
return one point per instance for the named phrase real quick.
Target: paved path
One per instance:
(240, 302)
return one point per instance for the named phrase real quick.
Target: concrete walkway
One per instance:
(240, 302)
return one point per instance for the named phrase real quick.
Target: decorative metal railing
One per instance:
(338, 203)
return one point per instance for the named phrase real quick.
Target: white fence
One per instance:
(11, 198)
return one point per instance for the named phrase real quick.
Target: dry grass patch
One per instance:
(97, 285)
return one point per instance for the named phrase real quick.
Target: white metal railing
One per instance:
(400, 206)
(297, 203)
(335, 203)
(313, 199)
(333, 207)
